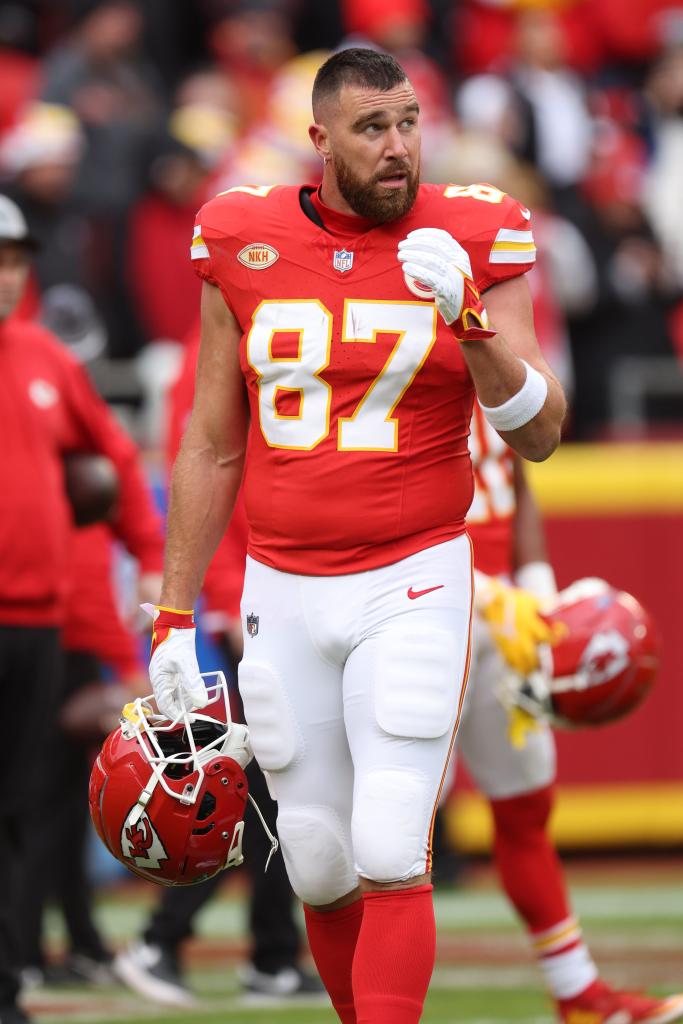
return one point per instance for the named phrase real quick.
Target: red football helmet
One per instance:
(168, 797)
(602, 664)
(606, 657)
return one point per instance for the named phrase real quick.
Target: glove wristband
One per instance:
(166, 620)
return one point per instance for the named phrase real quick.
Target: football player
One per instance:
(347, 322)
(517, 772)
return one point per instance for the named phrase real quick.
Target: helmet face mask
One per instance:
(603, 664)
(168, 797)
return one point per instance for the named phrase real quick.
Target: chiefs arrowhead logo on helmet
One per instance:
(140, 841)
(168, 798)
(606, 658)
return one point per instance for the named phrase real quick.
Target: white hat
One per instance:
(13, 226)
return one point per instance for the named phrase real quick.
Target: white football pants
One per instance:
(499, 769)
(352, 689)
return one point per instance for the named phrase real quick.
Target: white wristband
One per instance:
(523, 406)
(538, 578)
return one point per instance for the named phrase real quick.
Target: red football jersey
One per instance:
(360, 398)
(490, 517)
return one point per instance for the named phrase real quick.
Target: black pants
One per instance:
(30, 670)
(57, 867)
(275, 936)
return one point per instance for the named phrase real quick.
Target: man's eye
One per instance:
(409, 122)
(373, 128)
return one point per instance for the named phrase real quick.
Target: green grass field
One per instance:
(632, 915)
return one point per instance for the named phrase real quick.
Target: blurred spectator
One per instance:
(160, 231)
(635, 292)
(484, 32)
(278, 149)
(557, 97)
(207, 115)
(663, 194)
(40, 157)
(19, 69)
(48, 409)
(102, 73)
(251, 40)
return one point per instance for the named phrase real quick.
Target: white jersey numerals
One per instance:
(492, 464)
(372, 427)
(312, 322)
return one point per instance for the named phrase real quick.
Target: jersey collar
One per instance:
(341, 223)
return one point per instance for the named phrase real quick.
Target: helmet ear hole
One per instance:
(207, 807)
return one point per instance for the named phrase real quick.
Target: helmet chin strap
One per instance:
(274, 845)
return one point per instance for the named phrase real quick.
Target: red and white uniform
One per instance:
(357, 388)
(499, 769)
(357, 593)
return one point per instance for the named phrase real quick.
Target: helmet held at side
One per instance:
(168, 798)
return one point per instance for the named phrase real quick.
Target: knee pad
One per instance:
(390, 825)
(418, 683)
(317, 854)
(275, 735)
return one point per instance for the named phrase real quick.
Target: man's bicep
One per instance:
(511, 314)
(219, 414)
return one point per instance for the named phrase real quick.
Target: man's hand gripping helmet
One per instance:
(602, 663)
(168, 797)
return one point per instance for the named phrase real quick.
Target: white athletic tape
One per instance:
(523, 406)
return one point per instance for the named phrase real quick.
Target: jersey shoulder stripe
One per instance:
(513, 246)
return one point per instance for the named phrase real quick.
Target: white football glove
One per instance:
(434, 258)
(173, 668)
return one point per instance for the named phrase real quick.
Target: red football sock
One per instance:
(528, 865)
(532, 877)
(332, 938)
(395, 956)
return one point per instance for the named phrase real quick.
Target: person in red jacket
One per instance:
(48, 408)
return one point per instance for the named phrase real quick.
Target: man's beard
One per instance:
(365, 197)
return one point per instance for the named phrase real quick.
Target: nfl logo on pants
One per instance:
(343, 260)
(252, 624)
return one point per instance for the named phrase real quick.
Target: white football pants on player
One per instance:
(499, 769)
(352, 688)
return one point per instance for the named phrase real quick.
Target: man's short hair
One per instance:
(356, 66)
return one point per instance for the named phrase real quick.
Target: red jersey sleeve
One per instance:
(95, 428)
(213, 238)
(497, 232)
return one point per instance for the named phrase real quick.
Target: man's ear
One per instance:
(319, 136)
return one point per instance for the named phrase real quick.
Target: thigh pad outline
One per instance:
(274, 731)
(418, 676)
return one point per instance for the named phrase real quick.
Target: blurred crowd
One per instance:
(118, 119)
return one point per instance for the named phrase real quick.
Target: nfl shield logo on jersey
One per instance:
(252, 624)
(343, 260)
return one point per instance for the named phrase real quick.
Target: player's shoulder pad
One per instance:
(237, 206)
(483, 213)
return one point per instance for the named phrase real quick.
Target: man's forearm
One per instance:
(203, 493)
(499, 374)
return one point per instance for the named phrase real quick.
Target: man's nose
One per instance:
(395, 146)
